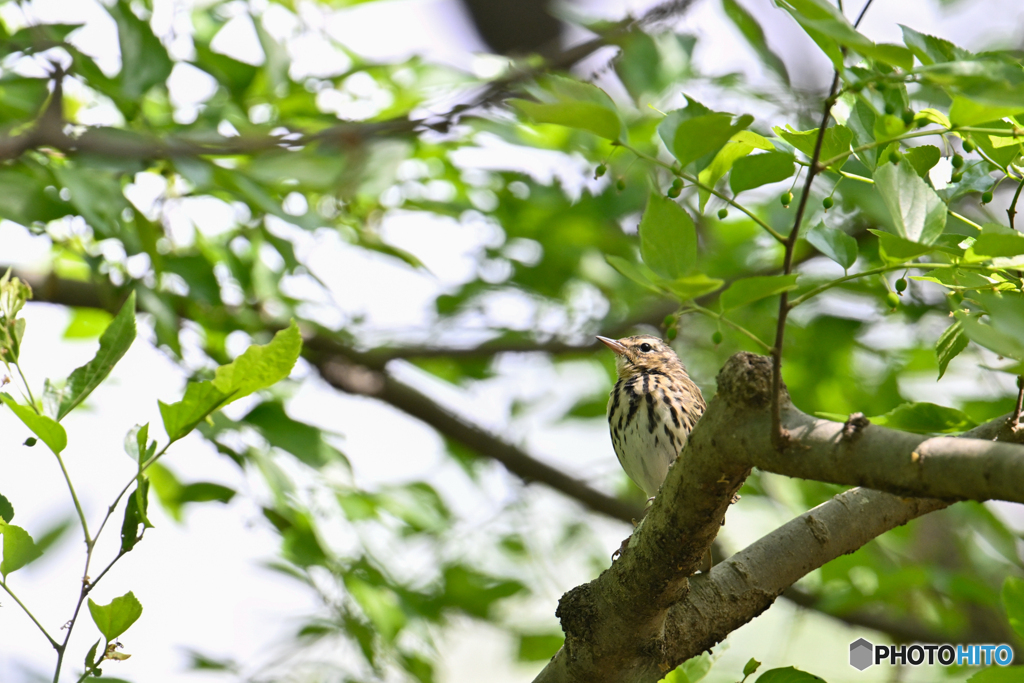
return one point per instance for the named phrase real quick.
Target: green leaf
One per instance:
(1004, 332)
(748, 290)
(925, 418)
(836, 141)
(116, 618)
(258, 368)
(967, 112)
(949, 346)
(144, 59)
(114, 343)
(740, 145)
(861, 123)
(760, 169)
(51, 433)
(572, 103)
(87, 323)
(895, 249)
(1004, 243)
(692, 670)
(788, 675)
(918, 214)
(751, 666)
(668, 239)
(174, 495)
(997, 674)
(692, 286)
(822, 20)
(19, 549)
(704, 135)
(923, 158)
(633, 272)
(134, 515)
(304, 441)
(1013, 603)
(835, 244)
(931, 50)
(539, 648)
(6, 509)
(754, 35)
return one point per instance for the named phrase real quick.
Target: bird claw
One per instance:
(622, 548)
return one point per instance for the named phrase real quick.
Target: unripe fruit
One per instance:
(895, 156)
(600, 171)
(908, 117)
(722, 213)
(828, 203)
(957, 161)
(786, 199)
(620, 184)
(677, 182)
(986, 197)
(901, 285)
(674, 191)
(716, 338)
(669, 321)
(890, 108)
(968, 146)
(671, 333)
(892, 299)
(956, 177)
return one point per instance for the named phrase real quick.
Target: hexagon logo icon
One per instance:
(862, 654)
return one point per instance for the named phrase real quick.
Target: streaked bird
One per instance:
(652, 408)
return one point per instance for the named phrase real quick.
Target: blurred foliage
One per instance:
(906, 270)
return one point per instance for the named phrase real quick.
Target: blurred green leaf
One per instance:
(754, 35)
(144, 60)
(692, 670)
(1013, 603)
(949, 346)
(305, 442)
(19, 549)
(633, 272)
(577, 105)
(1004, 332)
(114, 619)
(748, 290)
(87, 323)
(931, 50)
(836, 141)
(539, 647)
(835, 244)
(788, 674)
(925, 418)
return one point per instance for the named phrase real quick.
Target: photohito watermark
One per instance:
(864, 654)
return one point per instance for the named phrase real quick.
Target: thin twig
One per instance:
(1015, 417)
(1012, 211)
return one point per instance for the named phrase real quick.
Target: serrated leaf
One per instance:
(668, 239)
(114, 619)
(835, 244)
(931, 50)
(949, 346)
(114, 343)
(923, 158)
(19, 549)
(748, 290)
(48, 430)
(760, 169)
(925, 418)
(918, 214)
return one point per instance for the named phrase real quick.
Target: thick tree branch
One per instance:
(671, 617)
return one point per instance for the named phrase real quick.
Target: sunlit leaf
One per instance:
(114, 619)
(49, 431)
(918, 214)
(19, 549)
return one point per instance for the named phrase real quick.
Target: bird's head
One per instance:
(642, 353)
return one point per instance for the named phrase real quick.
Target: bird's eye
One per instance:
(645, 347)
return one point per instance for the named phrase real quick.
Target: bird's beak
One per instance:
(616, 346)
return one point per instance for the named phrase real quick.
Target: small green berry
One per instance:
(671, 333)
(893, 300)
(957, 161)
(890, 108)
(674, 191)
(921, 123)
(968, 146)
(600, 171)
(786, 199)
(908, 117)
(669, 321)
(716, 338)
(986, 197)
(722, 213)
(828, 203)
(901, 285)
(895, 156)
(677, 182)
(956, 177)
(620, 184)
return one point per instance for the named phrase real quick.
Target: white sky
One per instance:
(201, 583)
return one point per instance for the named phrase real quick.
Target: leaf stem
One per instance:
(54, 643)
(28, 389)
(736, 326)
(686, 176)
(876, 271)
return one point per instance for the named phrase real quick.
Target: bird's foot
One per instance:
(622, 548)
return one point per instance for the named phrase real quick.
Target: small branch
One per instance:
(56, 646)
(1011, 212)
(1014, 420)
(779, 436)
(74, 496)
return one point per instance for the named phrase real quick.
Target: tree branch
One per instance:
(671, 616)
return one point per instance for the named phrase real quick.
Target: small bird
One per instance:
(652, 408)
